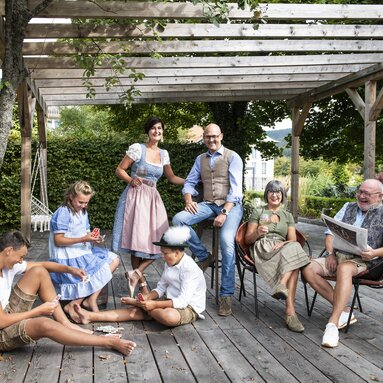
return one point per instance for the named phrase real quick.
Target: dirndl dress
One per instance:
(93, 259)
(272, 264)
(141, 216)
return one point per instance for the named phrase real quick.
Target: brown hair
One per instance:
(78, 187)
(151, 121)
(15, 239)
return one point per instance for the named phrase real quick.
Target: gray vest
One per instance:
(373, 221)
(216, 182)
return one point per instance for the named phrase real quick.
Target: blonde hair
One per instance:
(78, 187)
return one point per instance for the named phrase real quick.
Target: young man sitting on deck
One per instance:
(20, 322)
(182, 283)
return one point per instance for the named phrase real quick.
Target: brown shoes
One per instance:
(203, 265)
(225, 306)
(294, 324)
(281, 292)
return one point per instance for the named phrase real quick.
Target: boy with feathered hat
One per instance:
(180, 295)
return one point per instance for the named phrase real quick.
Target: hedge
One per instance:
(95, 160)
(71, 159)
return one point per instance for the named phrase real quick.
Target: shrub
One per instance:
(71, 159)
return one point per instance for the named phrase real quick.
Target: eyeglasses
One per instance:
(271, 192)
(366, 193)
(213, 137)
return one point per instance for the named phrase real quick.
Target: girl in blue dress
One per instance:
(141, 217)
(71, 243)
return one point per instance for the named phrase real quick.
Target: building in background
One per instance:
(53, 117)
(258, 171)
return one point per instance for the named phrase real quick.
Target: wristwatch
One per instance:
(224, 212)
(327, 253)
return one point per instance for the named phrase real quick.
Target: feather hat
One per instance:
(175, 236)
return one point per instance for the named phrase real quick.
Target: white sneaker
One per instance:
(342, 323)
(330, 336)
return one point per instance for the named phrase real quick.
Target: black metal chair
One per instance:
(372, 278)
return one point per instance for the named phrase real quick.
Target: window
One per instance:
(263, 167)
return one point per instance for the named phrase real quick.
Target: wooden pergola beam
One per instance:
(203, 47)
(199, 30)
(34, 63)
(180, 10)
(374, 72)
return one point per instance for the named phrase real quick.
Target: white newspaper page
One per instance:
(347, 237)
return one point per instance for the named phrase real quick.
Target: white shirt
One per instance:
(7, 279)
(135, 152)
(184, 284)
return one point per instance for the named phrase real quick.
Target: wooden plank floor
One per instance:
(238, 348)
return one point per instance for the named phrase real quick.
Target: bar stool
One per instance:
(215, 252)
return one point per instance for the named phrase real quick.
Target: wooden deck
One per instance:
(239, 348)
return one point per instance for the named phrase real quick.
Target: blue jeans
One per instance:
(226, 239)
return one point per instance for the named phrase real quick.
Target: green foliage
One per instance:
(10, 186)
(341, 177)
(175, 116)
(84, 121)
(314, 206)
(334, 131)
(93, 160)
(241, 123)
(282, 167)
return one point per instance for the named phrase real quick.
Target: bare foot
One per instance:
(128, 301)
(123, 346)
(69, 309)
(82, 314)
(91, 305)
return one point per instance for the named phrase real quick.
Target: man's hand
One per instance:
(331, 263)
(147, 305)
(219, 220)
(368, 255)
(46, 308)
(191, 207)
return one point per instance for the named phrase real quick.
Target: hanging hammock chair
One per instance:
(40, 213)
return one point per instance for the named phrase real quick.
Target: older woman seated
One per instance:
(276, 253)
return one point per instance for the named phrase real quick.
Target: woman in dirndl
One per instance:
(275, 250)
(141, 217)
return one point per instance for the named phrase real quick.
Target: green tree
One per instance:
(176, 117)
(17, 17)
(85, 120)
(242, 124)
(334, 131)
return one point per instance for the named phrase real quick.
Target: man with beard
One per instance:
(366, 212)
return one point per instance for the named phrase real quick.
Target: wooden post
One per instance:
(369, 131)
(298, 119)
(294, 164)
(41, 124)
(26, 109)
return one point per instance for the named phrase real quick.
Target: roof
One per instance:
(295, 52)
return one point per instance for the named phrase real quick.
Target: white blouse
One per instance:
(135, 151)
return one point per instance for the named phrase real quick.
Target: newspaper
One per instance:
(348, 238)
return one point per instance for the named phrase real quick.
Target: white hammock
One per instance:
(40, 213)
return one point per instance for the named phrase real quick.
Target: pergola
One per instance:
(300, 53)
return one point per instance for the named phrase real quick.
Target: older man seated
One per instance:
(366, 212)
